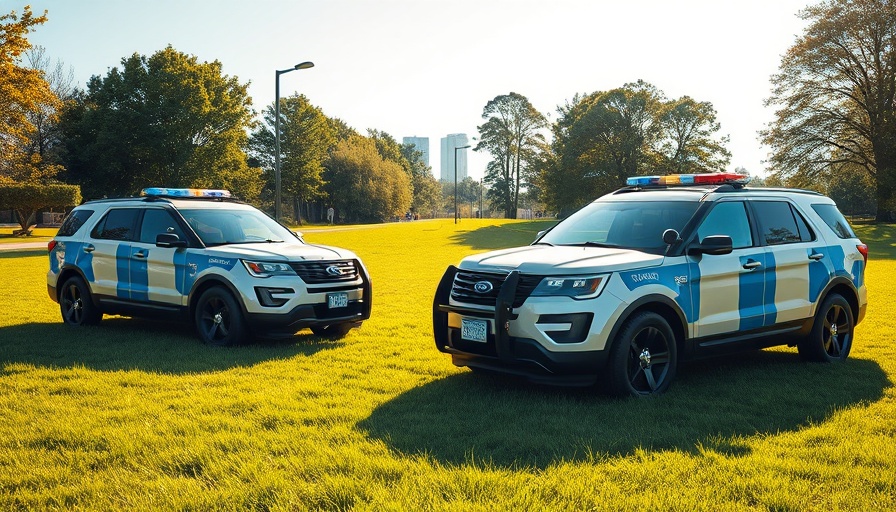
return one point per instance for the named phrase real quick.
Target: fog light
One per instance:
(568, 328)
(266, 296)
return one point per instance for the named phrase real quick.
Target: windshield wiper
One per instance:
(595, 244)
(543, 243)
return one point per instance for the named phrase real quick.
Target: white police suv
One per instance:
(201, 255)
(667, 269)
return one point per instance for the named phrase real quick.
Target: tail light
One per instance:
(864, 250)
(51, 245)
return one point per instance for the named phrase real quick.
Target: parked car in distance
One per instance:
(202, 256)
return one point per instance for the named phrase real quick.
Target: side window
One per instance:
(806, 234)
(777, 224)
(728, 218)
(118, 224)
(73, 222)
(157, 221)
(834, 219)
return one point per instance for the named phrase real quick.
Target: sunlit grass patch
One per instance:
(138, 415)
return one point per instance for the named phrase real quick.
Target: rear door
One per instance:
(110, 246)
(790, 251)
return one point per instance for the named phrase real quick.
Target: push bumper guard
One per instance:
(505, 353)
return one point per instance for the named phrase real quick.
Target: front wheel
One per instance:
(644, 357)
(334, 331)
(218, 318)
(76, 304)
(831, 337)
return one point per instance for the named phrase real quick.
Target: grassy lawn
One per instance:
(137, 415)
(37, 235)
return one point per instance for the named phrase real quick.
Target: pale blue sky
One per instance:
(427, 67)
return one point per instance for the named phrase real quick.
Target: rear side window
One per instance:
(780, 224)
(73, 222)
(116, 225)
(834, 219)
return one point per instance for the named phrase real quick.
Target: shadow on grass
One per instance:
(21, 253)
(712, 406)
(138, 344)
(500, 237)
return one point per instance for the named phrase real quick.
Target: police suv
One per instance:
(667, 269)
(206, 257)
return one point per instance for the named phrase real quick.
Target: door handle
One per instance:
(816, 256)
(140, 254)
(89, 248)
(751, 264)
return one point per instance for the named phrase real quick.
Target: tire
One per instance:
(644, 357)
(832, 332)
(335, 331)
(218, 318)
(76, 304)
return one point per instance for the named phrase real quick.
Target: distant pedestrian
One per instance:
(330, 214)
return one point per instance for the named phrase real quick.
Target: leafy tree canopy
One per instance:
(835, 98)
(27, 198)
(164, 120)
(23, 91)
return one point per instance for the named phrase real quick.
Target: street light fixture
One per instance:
(303, 65)
(455, 180)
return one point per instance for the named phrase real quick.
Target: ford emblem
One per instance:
(333, 270)
(483, 287)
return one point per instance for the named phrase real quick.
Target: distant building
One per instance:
(454, 140)
(421, 144)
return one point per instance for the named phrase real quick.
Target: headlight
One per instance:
(577, 287)
(267, 269)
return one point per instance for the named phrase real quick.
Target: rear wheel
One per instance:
(644, 357)
(831, 337)
(219, 320)
(334, 331)
(76, 304)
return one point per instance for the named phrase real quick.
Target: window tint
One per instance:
(157, 221)
(806, 233)
(117, 225)
(728, 218)
(834, 219)
(73, 222)
(776, 222)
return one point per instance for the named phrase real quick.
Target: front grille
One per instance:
(315, 272)
(465, 281)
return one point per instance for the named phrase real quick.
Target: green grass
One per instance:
(37, 235)
(137, 415)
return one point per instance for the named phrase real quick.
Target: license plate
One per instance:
(337, 300)
(473, 330)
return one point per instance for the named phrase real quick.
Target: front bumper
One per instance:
(502, 352)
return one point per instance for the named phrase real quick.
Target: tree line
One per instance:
(169, 119)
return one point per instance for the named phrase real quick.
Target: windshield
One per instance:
(628, 224)
(237, 226)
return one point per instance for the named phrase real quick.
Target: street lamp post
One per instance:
(455, 180)
(303, 65)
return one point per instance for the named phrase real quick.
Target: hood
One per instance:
(283, 251)
(547, 260)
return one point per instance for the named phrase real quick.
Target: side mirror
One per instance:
(670, 236)
(713, 244)
(169, 240)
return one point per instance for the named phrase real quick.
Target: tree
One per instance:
(23, 90)
(164, 120)
(27, 198)
(602, 138)
(512, 135)
(306, 136)
(835, 95)
(688, 144)
(362, 186)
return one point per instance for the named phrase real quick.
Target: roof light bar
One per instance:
(687, 179)
(184, 192)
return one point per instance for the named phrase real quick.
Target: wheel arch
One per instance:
(66, 273)
(846, 289)
(209, 281)
(661, 305)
